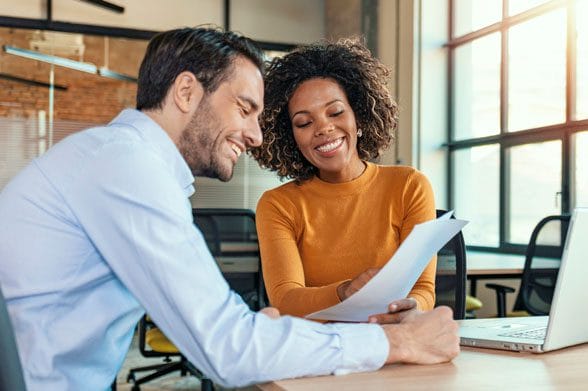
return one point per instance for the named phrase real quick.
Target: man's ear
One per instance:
(187, 92)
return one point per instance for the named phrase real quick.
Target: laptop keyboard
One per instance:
(538, 333)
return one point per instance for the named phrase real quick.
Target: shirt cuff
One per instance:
(365, 347)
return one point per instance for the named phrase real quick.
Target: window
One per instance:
(519, 116)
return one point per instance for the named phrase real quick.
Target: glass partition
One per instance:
(53, 84)
(46, 94)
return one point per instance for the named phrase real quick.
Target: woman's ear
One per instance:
(187, 92)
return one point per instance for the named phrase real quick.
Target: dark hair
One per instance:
(360, 75)
(206, 52)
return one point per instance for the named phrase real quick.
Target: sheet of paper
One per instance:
(395, 280)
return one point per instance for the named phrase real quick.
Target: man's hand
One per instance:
(348, 288)
(424, 338)
(270, 312)
(397, 311)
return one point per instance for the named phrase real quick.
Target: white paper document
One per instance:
(395, 280)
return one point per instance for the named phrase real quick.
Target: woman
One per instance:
(322, 236)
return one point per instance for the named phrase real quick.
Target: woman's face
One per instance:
(325, 130)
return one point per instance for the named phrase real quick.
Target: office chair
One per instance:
(153, 343)
(11, 377)
(537, 283)
(231, 237)
(450, 279)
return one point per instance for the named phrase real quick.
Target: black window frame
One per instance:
(505, 140)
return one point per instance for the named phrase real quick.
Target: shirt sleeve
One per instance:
(283, 271)
(139, 219)
(419, 206)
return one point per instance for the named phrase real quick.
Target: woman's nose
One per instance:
(325, 128)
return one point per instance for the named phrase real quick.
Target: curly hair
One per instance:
(360, 75)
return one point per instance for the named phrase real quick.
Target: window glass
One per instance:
(537, 72)
(582, 56)
(476, 190)
(580, 174)
(476, 109)
(535, 187)
(518, 6)
(470, 15)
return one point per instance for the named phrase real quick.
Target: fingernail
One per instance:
(372, 320)
(393, 307)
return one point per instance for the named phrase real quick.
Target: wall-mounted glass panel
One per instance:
(537, 72)
(518, 6)
(53, 84)
(476, 86)
(470, 15)
(46, 92)
(534, 187)
(476, 190)
(582, 62)
(580, 169)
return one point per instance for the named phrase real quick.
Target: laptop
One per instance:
(567, 323)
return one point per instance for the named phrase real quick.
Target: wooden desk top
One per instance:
(473, 369)
(480, 263)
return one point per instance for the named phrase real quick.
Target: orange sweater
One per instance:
(316, 235)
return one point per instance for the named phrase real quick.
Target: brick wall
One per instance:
(88, 98)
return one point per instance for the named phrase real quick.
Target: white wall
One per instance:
(432, 99)
(388, 54)
(300, 21)
(411, 38)
(34, 9)
(139, 14)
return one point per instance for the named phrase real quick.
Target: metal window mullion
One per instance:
(549, 132)
(504, 160)
(566, 172)
(450, 112)
(571, 63)
(506, 22)
(504, 199)
(567, 181)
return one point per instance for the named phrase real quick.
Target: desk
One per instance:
(481, 265)
(473, 369)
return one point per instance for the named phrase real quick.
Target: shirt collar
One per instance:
(159, 137)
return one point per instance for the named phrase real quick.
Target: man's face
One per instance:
(225, 123)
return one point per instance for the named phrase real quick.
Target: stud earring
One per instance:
(359, 133)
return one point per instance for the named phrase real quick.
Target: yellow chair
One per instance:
(472, 304)
(153, 343)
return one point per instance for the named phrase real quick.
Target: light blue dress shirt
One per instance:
(98, 230)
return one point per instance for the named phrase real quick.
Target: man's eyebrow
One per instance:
(252, 104)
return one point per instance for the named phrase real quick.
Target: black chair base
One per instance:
(163, 369)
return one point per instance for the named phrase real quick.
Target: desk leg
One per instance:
(473, 286)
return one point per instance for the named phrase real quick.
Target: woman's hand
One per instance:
(348, 288)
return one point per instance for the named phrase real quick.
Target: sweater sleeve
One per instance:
(283, 271)
(419, 206)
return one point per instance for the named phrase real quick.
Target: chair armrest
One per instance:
(501, 292)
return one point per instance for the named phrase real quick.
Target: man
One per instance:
(99, 230)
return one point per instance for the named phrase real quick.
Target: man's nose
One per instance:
(253, 135)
